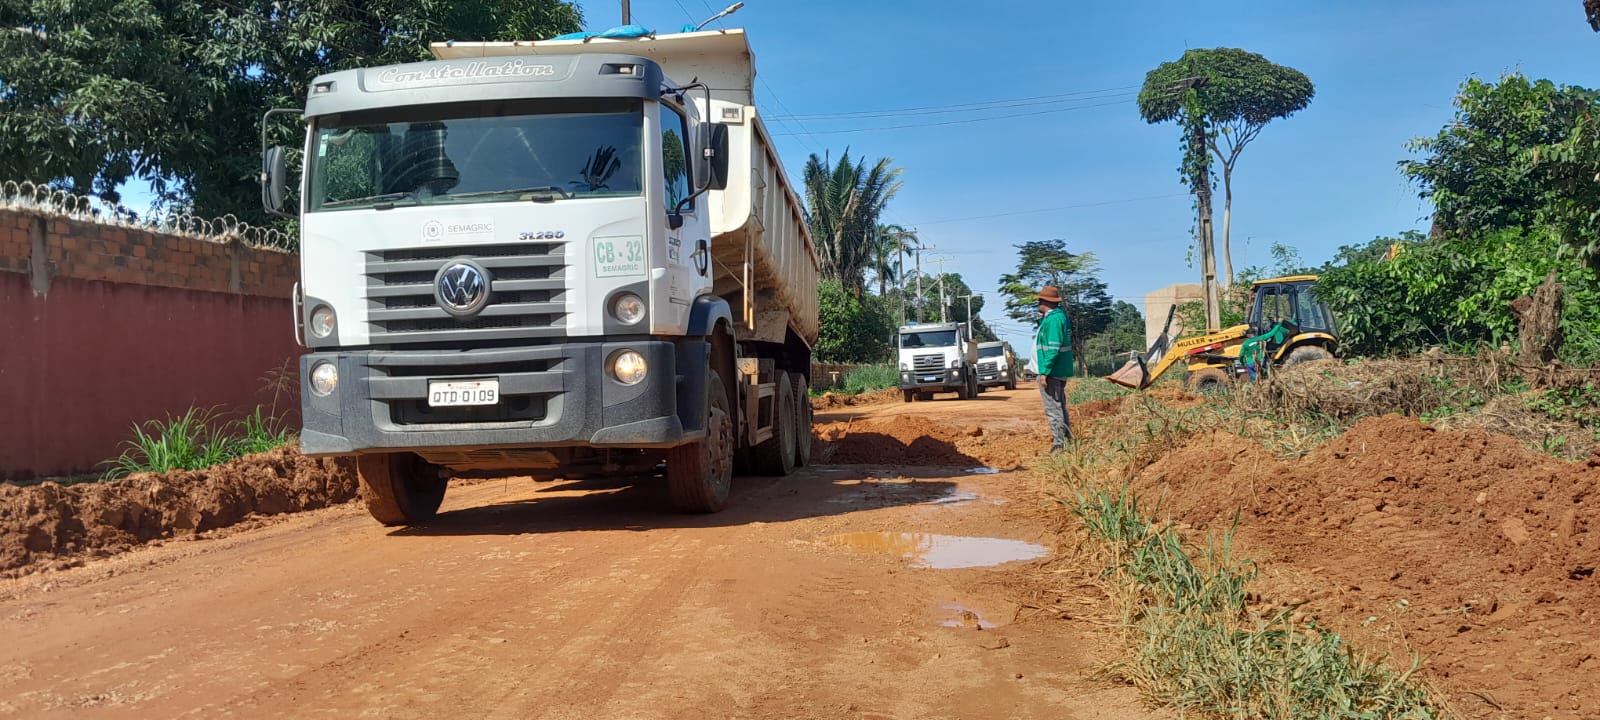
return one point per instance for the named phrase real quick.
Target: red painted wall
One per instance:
(80, 365)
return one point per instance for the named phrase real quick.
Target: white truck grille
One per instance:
(528, 293)
(927, 363)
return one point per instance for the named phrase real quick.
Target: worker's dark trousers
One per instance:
(1054, 393)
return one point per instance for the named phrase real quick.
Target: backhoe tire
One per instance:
(802, 425)
(1307, 353)
(1208, 380)
(400, 488)
(700, 474)
(775, 457)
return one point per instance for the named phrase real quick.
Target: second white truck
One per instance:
(997, 365)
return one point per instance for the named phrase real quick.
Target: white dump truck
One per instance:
(555, 258)
(997, 365)
(935, 358)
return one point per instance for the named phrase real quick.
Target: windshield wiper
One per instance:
(384, 201)
(550, 193)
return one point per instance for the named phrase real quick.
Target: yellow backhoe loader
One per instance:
(1212, 359)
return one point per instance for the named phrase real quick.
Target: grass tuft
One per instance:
(871, 377)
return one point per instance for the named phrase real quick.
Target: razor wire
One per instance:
(32, 197)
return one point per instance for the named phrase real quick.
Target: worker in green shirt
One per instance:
(1253, 354)
(1053, 351)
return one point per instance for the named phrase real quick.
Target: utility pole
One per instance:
(919, 283)
(627, 12)
(943, 303)
(970, 329)
(900, 271)
(1201, 181)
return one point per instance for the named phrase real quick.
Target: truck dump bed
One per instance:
(765, 263)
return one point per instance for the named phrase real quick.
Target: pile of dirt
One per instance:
(49, 522)
(915, 441)
(1462, 545)
(833, 401)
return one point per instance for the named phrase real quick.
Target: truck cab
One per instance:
(996, 365)
(936, 358)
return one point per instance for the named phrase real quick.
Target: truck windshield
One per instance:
(477, 152)
(932, 338)
(991, 352)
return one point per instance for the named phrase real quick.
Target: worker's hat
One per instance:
(1050, 294)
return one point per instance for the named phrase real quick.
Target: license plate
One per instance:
(463, 393)
(930, 378)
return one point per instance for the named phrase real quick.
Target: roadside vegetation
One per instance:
(196, 440)
(1197, 642)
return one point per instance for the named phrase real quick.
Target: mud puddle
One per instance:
(940, 552)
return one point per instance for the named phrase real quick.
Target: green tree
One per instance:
(888, 243)
(856, 328)
(954, 307)
(1481, 171)
(844, 202)
(1124, 334)
(1084, 296)
(1241, 93)
(97, 92)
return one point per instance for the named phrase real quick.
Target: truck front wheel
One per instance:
(700, 474)
(400, 488)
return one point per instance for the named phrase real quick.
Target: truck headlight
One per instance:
(903, 367)
(628, 367)
(628, 309)
(324, 378)
(322, 322)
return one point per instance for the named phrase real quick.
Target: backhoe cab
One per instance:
(1212, 359)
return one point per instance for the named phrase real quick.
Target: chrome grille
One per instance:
(528, 293)
(988, 368)
(927, 363)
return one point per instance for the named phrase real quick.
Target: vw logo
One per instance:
(462, 288)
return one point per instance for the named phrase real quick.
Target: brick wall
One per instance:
(103, 326)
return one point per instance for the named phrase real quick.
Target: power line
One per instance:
(970, 120)
(975, 106)
(1055, 209)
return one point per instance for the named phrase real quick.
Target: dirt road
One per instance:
(561, 600)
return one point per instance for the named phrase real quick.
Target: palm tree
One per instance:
(891, 240)
(843, 204)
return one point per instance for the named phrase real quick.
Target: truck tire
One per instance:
(1307, 353)
(400, 488)
(1011, 384)
(700, 474)
(1207, 380)
(775, 457)
(802, 426)
(908, 395)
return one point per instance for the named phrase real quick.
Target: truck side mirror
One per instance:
(273, 182)
(714, 156)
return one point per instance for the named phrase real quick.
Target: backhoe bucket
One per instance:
(1136, 372)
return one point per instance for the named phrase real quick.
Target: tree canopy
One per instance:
(1076, 275)
(1240, 93)
(98, 92)
(844, 202)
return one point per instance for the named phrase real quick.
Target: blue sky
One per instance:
(1384, 72)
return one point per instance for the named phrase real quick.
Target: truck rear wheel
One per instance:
(802, 427)
(700, 474)
(400, 488)
(776, 456)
